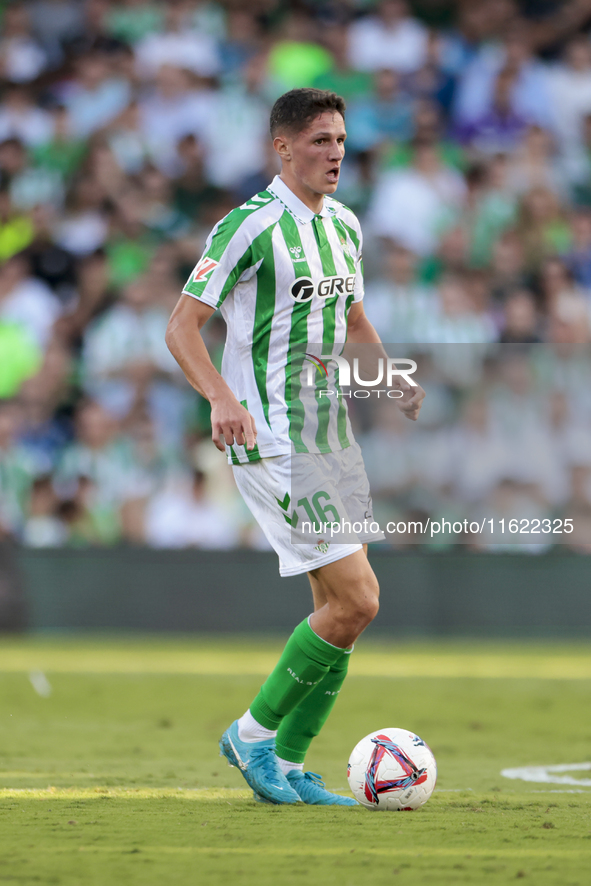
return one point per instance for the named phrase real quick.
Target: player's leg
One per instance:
(250, 741)
(350, 590)
(303, 724)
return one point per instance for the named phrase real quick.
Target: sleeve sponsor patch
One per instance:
(202, 269)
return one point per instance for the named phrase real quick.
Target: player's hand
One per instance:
(230, 420)
(411, 401)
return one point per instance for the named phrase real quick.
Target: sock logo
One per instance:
(303, 682)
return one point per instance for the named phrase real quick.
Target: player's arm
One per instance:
(185, 342)
(361, 331)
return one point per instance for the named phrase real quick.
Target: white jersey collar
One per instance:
(298, 209)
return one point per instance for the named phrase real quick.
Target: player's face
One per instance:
(317, 153)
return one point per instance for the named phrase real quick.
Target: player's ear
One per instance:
(282, 147)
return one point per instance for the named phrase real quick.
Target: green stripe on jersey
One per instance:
(329, 322)
(352, 234)
(264, 313)
(342, 232)
(251, 454)
(298, 333)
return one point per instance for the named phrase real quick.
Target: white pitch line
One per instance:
(550, 774)
(40, 683)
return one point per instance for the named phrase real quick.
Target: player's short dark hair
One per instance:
(294, 110)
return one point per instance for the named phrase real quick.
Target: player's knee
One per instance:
(365, 604)
(366, 609)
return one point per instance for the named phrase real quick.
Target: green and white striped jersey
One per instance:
(283, 277)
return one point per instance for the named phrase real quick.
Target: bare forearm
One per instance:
(229, 419)
(188, 348)
(362, 332)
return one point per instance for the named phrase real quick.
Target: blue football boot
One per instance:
(257, 762)
(310, 789)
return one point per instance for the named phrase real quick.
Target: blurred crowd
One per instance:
(127, 129)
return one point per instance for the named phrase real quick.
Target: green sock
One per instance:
(297, 730)
(304, 662)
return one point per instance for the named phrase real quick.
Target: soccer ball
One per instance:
(392, 769)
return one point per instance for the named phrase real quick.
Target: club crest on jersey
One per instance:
(202, 269)
(303, 289)
(345, 245)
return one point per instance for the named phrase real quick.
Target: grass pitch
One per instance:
(109, 771)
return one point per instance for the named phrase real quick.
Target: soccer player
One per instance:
(268, 265)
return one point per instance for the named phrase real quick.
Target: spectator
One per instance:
(170, 111)
(530, 94)
(478, 451)
(188, 517)
(192, 188)
(20, 118)
(132, 20)
(568, 320)
(83, 227)
(26, 300)
(476, 24)
(235, 136)
(127, 365)
(388, 39)
(490, 209)
(95, 37)
(102, 455)
(297, 59)
(570, 92)
(542, 226)
(578, 259)
(16, 229)
(127, 141)
(16, 471)
(43, 528)
(520, 322)
(385, 114)
(343, 79)
(45, 427)
(88, 520)
(454, 317)
(534, 165)
(64, 152)
(56, 23)
(242, 41)
(395, 302)
(21, 358)
(29, 186)
(431, 81)
(508, 271)
(179, 45)
(500, 128)
(95, 97)
(413, 205)
(22, 58)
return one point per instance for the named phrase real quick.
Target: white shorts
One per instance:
(314, 509)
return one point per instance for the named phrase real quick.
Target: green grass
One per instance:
(115, 779)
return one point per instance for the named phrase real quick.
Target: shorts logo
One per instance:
(322, 547)
(303, 289)
(202, 269)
